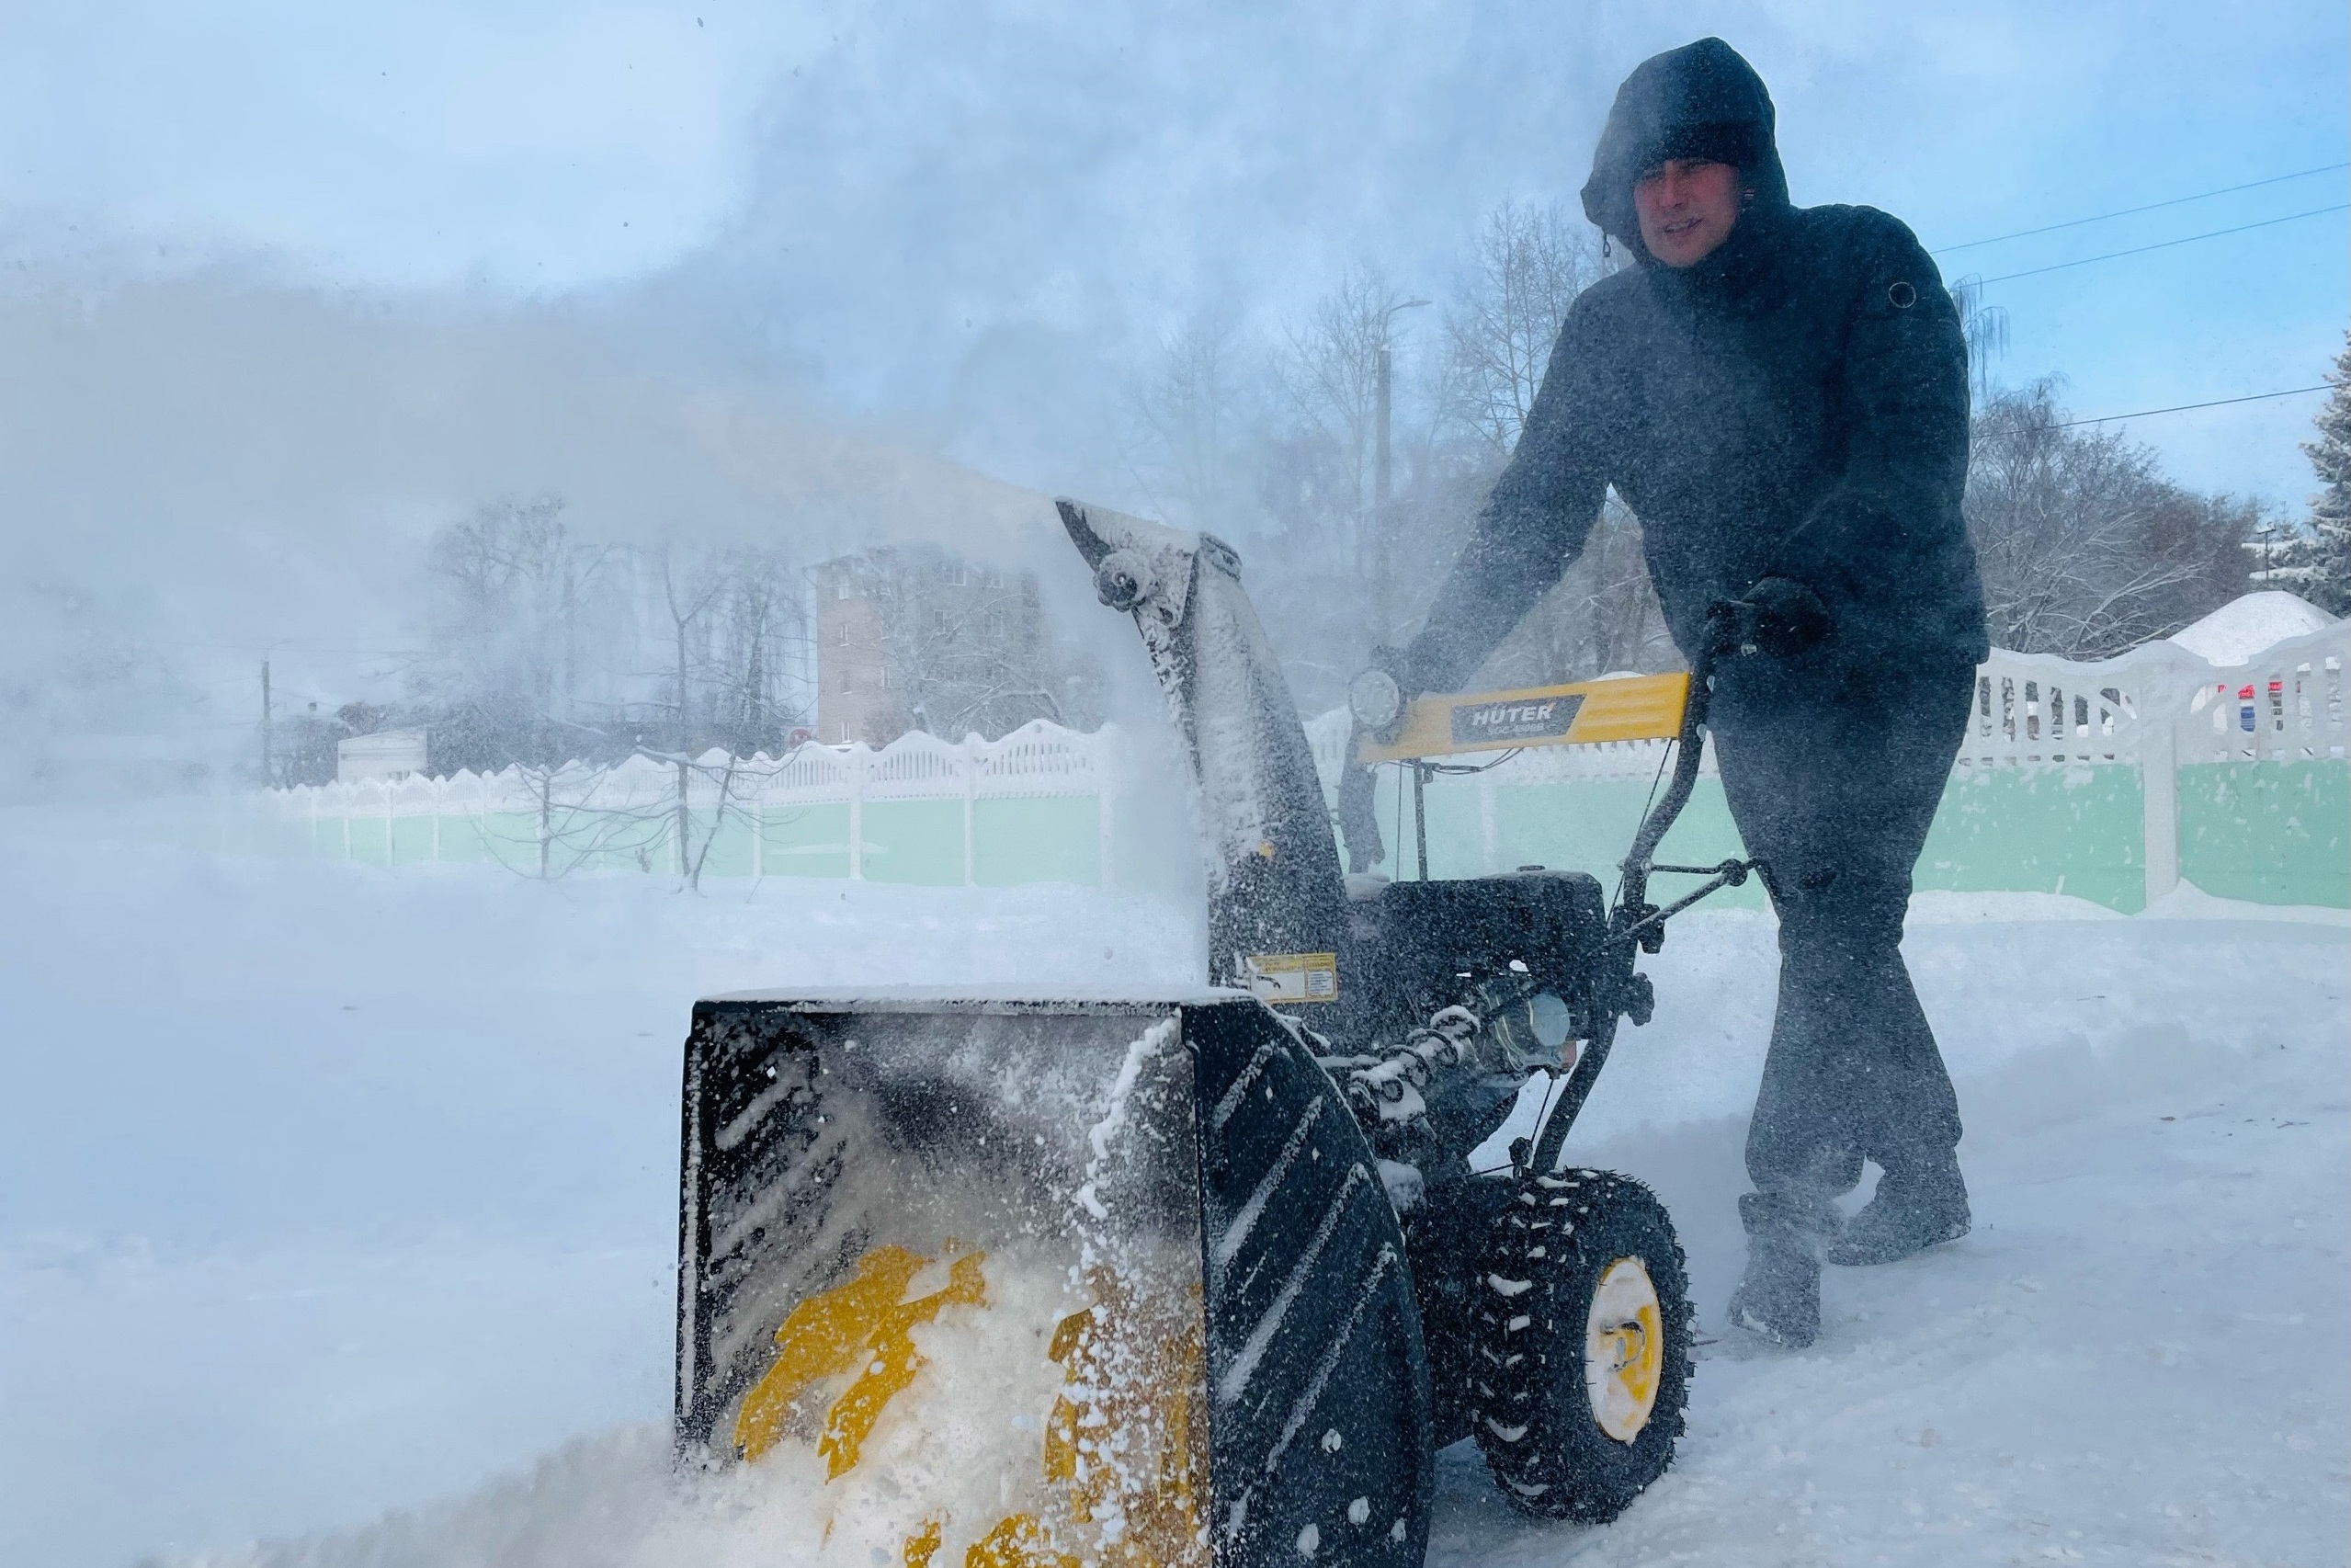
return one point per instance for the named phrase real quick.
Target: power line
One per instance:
(2151, 207)
(2167, 245)
(2184, 407)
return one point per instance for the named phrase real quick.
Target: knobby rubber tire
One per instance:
(1531, 1413)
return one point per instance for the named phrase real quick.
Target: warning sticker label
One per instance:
(1292, 977)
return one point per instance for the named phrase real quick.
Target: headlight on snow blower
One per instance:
(1376, 702)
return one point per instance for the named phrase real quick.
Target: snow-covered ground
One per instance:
(326, 1191)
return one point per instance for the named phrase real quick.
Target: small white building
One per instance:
(387, 753)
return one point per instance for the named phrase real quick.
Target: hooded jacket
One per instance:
(1795, 405)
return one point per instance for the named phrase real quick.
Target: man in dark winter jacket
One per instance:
(1780, 394)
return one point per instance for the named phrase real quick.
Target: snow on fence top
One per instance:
(2031, 710)
(1037, 759)
(2285, 705)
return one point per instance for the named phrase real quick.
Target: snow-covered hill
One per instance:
(325, 1192)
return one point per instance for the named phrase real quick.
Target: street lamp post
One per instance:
(1380, 479)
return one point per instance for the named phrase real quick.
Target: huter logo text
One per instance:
(1526, 719)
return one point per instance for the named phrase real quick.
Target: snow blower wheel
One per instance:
(1581, 1358)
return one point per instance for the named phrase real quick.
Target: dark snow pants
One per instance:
(1834, 776)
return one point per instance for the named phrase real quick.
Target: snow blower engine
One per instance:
(1205, 1277)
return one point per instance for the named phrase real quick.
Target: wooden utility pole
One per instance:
(1381, 573)
(268, 776)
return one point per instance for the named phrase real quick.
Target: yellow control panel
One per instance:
(1629, 708)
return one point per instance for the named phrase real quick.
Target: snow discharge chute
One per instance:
(996, 1283)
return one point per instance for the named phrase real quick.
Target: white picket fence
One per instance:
(2160, 708)
(2156, 710)
(1038, 760)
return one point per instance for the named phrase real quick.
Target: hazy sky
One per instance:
(969, 218)
(902, 202)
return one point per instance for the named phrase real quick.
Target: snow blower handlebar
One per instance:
(1731, 631)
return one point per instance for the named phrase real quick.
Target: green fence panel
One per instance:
(505, 838)
(412, 840)
(1575, 825)
(1045, 838)
(461, 841)
(805, 841)
(1456, 835)
(370, 843)
(730, 846)
(1583, 825)
(914, 841)
(2066, 830)
(2268, 832)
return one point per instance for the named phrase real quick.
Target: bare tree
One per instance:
(762, 624)
(2085, 549)
(1526, 267)
(573, 822)
(730, 616)
(1986, 328)
(1196, 419)
(523, 608)
(1330, 376)
(689, 590)
(722, 781)
(964, 646)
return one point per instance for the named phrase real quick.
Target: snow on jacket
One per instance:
(1795, 405)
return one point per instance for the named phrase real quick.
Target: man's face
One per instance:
(1686, 208)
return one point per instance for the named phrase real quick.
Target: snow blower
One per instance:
(1205, 1277)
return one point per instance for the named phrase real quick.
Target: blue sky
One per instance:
(964, 214)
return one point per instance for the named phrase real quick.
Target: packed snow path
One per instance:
(325, 1192)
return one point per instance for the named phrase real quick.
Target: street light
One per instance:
(1380, 570)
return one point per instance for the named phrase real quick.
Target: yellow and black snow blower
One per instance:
(1206, 1277)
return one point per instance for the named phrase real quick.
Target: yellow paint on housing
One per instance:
(827, 1335)
(1017, 1542)
(1125, 1437)
(1125, 1453)
(1631, 708)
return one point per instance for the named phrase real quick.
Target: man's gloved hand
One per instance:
(1783, 618)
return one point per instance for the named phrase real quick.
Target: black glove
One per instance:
(1782, 618)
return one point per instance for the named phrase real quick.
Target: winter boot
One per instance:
(1916, 1207)
(1778, 1297)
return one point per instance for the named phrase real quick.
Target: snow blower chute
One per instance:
(1202, 1278)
